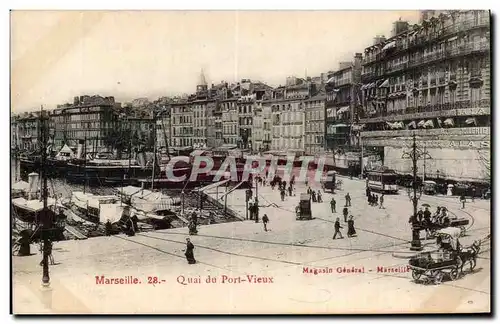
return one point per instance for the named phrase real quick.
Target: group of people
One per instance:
(351, 232)
(373, 200)
(315, 195)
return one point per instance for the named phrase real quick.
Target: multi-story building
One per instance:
(341, 103)
(230, 122)
(288, 115)
(246, 109)
(90, 118)
(218, 125)
(182, 123)
(315, 124)
(266, 124)
(163, 128)
(431, 80)
(27, 131)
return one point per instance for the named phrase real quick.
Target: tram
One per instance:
(383, 180)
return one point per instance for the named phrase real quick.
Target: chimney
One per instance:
(76, 100)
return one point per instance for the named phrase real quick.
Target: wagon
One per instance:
(436, 265)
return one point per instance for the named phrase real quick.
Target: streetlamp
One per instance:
(414, 155)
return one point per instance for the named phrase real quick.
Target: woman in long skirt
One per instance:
(189, 252)
(350, 227)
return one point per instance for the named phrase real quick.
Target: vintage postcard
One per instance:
(251, 162)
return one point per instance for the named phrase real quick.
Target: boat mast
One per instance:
(154, 154)
(85, 162)
(44, 216)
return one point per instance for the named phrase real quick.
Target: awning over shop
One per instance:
(412, 125)
(337, 125)
(388, 46)
(342, 109)
(384, 84)
(449, 122)
(330, 80)
(421, 123)
(429, 124)
(470, 121)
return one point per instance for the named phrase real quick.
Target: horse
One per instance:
(469, 254)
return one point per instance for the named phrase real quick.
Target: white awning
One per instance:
(343, 109)
(470, 121)
(384, 84)
(453, 38)
(330, 80)
(449, 121)
(389, 45)
(429, 124)
(337, 125)
(421, 123)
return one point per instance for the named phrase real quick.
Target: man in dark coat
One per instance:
(462, 200)
(282, 193)
(189, 252)
(333, 205)
(348, 200)
(345, 212)
(265, 220)
(337, 229)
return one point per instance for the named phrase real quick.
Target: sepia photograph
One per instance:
(250, 162)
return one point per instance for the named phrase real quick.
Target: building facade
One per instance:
(163, 129)
(90, 118)
(432, 80)
(230, 121)
(315, 124)
(182, 124)
(342, 102)
(246, 110)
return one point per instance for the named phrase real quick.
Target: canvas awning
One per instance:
(384, 84)
(421, 123)
(429, 124)
(110, 212)
(449, 122)
(389, 45)
(470, 121)
(342, 109)
(21, 185)
(337, 125)
(330, 80)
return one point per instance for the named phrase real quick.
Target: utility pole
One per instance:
(45, 213)
(415, 154)
(256, 199)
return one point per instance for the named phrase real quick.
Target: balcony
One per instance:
(430, 111)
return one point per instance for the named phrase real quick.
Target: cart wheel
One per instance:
(472, 263)
(438, 278)
(416, 274)
(462, 231)
(454, 274)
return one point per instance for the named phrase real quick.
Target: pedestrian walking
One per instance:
(265, 220)
(376, 200)
(333, 205)
(290, 190)
(282, 192)
(345, 212)
(382, 202)
(351, 232)
(368, 192)
(313, 196)
(348, 200)
(462, 200)
(189, 252)
(294, 192)
(337, 229)
(320, 199)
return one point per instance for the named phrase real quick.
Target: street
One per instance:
(235, 250)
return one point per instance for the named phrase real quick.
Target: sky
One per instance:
(56, 55)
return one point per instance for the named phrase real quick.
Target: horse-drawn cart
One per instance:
(449, 260)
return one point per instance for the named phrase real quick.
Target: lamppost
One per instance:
(415, 194)
(45, 215)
